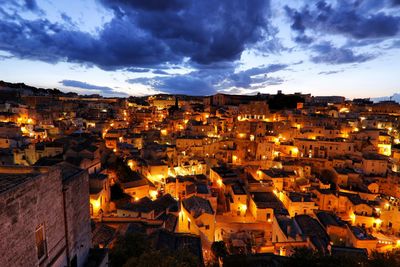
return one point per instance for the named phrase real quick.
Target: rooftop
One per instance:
(197, 206)
(278, 173)
(266, 200)
(12, 176)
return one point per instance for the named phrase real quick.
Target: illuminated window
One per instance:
(40, 242)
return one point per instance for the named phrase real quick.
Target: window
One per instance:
(207, 227)
(189, 225)
(268, 216)
(40, 242)
(91, 209)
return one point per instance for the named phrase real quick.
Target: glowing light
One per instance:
(219, 182)
(130, 164)
(385, 149)
(353, 217)
(243, 207)
(241, 135)
(153, 194)
(234, 158)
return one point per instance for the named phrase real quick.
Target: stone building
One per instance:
(44, 216)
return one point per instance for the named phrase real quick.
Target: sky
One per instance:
(201, 47)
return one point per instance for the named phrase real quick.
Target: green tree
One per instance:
(384, 259)
(163, 258)
(128, 246)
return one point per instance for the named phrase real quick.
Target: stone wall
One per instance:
(78, 216)
(39, 200)
(22, 210)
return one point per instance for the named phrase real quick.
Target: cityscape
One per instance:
(199, 133)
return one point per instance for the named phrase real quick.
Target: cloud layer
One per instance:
(143, 33)
(103, 90)
(150, 40)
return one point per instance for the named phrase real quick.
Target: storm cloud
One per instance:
(210, 80)
(355, 19)
(143, 34)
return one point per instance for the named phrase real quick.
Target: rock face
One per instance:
(37, 201)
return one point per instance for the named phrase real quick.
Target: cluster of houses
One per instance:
(261, 176)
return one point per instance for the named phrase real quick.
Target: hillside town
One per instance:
(223, 177)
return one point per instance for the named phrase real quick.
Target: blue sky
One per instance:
(141, 47)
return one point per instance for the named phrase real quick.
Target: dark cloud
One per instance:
(303, 39)
(178, 84)
(330, 72)
(354, 19)
(208, 81)
(86, 86)
(144, 33)
(140, 70)
(152, 5)
(31, 5)
(245, 79)
(327, 53)
(162, 72)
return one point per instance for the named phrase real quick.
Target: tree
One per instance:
(305, 257)
(128, 246)
(384, 259)
(219, 250)
(163, 258)
(134, 249)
